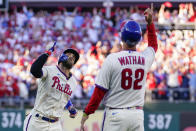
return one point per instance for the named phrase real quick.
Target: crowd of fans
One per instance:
(185, 13)
(25, 34)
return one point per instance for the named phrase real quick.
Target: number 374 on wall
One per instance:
(11, 120)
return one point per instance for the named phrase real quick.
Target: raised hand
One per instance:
(148, 13)
(53, 47)
(50, 48)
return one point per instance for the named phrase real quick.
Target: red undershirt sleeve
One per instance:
(152, 38)
(95, 100)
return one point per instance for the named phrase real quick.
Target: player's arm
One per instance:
(93, 104)
(36, 68)
(152, 38)
(101, 87)
(95, 100)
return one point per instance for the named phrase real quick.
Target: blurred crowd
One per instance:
(184, 14)
(25, 34)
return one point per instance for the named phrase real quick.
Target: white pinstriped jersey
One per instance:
(123, 74)
(54, 91)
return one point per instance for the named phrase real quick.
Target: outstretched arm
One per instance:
(36, 68)
(152, 38)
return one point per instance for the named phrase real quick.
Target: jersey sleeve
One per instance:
(45, 72)
(149, 54)
(103, 78)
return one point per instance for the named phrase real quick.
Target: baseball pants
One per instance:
(32, 123)
(123, 120)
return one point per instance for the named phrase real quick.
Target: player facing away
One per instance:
(121, 80)
(55, 87)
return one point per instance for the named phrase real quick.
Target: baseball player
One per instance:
(122, 78)
(55, 87)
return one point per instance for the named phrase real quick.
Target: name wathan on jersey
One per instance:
(131, 60)
(66, 89)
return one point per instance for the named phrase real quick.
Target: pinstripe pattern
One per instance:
(103, 120)
(28, 122)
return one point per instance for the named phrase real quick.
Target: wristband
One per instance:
(84, 114)
(48, 52)
(69, 103)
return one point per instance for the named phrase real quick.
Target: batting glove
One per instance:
(51, 49)
(73, 112)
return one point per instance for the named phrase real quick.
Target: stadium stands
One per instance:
(24, 34)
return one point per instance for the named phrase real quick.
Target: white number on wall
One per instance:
(10, 119)
(159, 121)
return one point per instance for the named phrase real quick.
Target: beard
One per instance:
(67, 64)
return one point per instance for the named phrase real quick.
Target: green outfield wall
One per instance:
(173, 107)
(158, 117)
